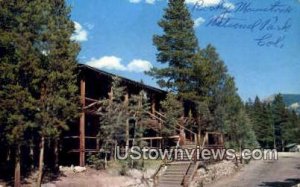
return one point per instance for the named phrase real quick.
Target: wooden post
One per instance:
(205, 139)
(82, 126)
(160, 128)
(222, 139)
(126, 99)
(97, 144)
(153, 106)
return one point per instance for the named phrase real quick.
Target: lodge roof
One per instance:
(124, 79)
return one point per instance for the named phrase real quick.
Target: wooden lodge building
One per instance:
(95, 85)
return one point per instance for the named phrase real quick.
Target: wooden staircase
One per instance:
(179, 172)
(175, 174)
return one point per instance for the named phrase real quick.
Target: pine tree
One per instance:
(266, 126)
(295, 120)
(213, 86)
(199, 77)
(290, 129)
(138, 110)
(16, 105)
(173, 110)
(18, 59)
(238, 126)
(39, 53)
(176, 47)
(261, 116)
(280, 117)
(139, 107)
(210, 73)
(57, 89)
(113, 118)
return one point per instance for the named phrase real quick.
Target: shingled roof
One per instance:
(124, 79)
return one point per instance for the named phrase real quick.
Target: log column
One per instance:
(82, 125)
(153, 105)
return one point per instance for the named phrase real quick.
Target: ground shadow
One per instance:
(287, 183)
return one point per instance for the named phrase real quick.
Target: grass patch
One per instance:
(120, 167)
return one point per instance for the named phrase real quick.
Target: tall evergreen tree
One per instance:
(238, 126)
(113, 118)
(198, 76)
(290, 131)
(17, 106)
(280, 117)
(262, 119)
(213, 88)
(266, 126)
(36, 34)
(18, 59)
(139, 107)
(57, 89)
(116, 113)
(176, 47)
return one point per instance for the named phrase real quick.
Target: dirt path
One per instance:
(284, 172)
(91, 179)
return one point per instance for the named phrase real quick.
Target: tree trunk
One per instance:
(56, 153)
(8, 155)
(41, 162)
(199, 135)
(17, 179)
(274, 137)
(31, 154)
(105, 160)
(114, 151)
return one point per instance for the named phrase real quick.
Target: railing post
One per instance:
(154, 176)
(155, 181)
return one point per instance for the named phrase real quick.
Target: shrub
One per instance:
(95, 161)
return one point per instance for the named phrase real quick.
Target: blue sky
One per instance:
(259, 42)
